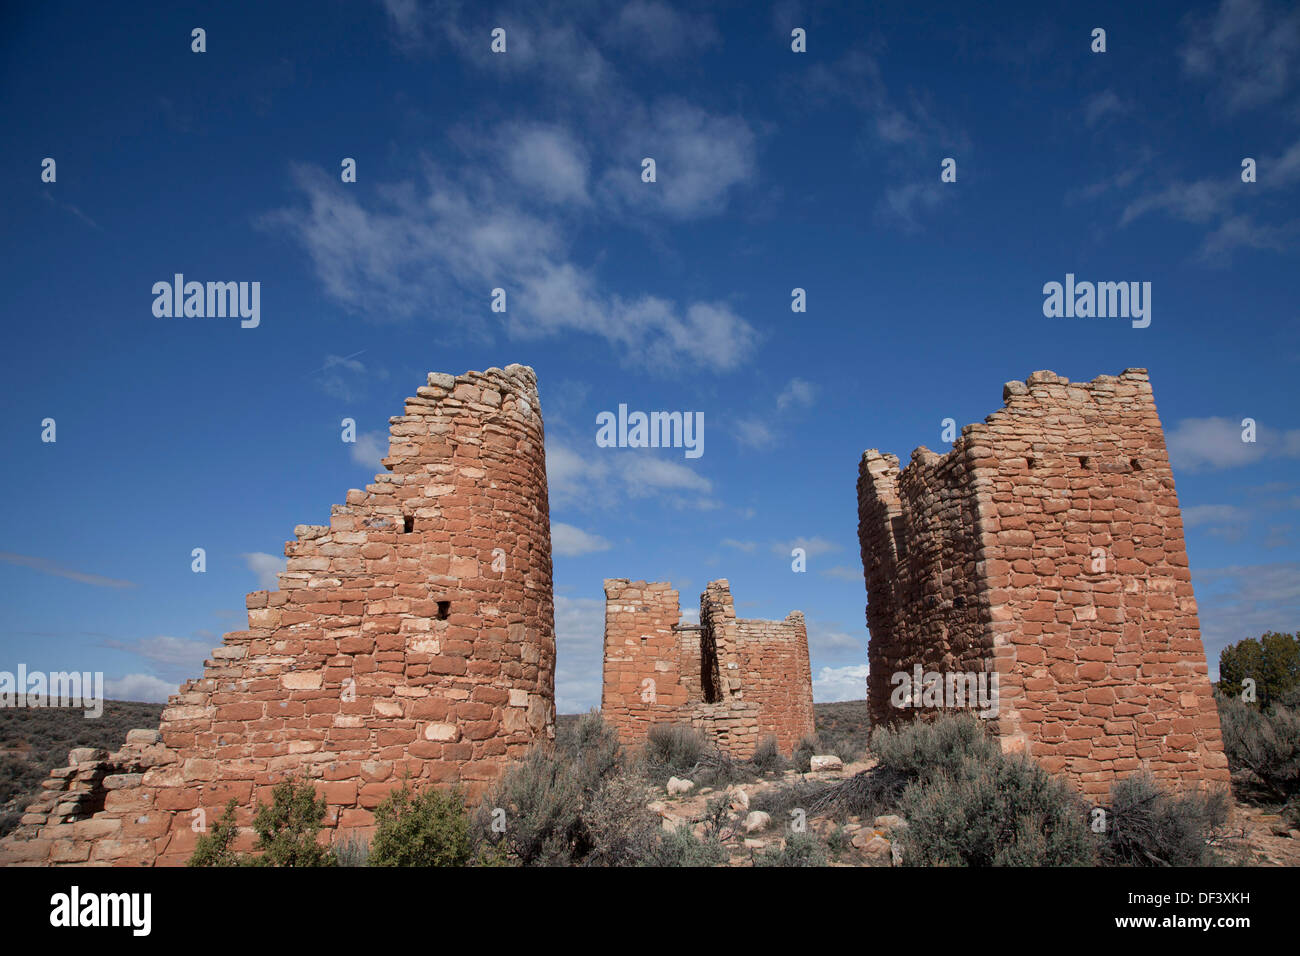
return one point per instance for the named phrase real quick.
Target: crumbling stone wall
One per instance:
(414, 634)
(1047, 546)
(736, 680)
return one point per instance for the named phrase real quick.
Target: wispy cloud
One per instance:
(569, 541)
(904, 132)
(1099, 106)
(840, 683)
(266, 567)
(46, 566)
(1209, 443)
(141, 687)
(580, 647)
(369, 450)
(1246, 601)
(604, 478)
(812, 546)
(177, 658)
(451, 240)
(1248, 50)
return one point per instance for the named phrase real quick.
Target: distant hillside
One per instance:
(36, 740)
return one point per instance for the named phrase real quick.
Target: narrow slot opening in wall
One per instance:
(1083, 461)
(408, 524)
(444, 609)
(1135, 464)
(1032, 462)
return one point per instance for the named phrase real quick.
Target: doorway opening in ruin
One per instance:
(710, 679)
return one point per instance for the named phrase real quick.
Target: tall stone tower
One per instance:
(1047, 547)
(413, 634)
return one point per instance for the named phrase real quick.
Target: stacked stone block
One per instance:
(1047, 546)
(736, 680)
(411, 636)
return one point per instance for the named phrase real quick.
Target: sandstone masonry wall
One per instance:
(1047, 545)
(736, 680)
(413, 634)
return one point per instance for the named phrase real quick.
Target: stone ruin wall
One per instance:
(984, 558)
(920, 549)
(736, 680)
(414, 634)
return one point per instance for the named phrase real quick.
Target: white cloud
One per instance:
(699, 159)
(812, 546)
(902, 133)
(797, 393)
(434, 248)
(178, 658)
(655, 31)
(568, 541)
(753, 433)
(548, 161)
(266, 567)
(1207, 443)
(46, 566)
(142, 687)
(1212, 515)
(1100, 105)
(605, 477)
(1248, 48)
(370, 449)
(345, 376)
(746, 546)
(840, 683)
(1245, 601)
(1214, 202)
(580, 648)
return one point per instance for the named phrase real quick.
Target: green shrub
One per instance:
(804, 751)
(838, 842)
(214, 848)
(1263, 744)
(673, 749)
(1148, 826)
(987, 809)
(554, 808)
(428, 828)
(767, 757)
(800, 849)
(287, 827)
(617, 828)
(352, 850)
(680, 847)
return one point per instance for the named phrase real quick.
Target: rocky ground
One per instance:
(1254, 836)
(747, 832)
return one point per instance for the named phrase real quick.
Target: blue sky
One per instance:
(522, 170)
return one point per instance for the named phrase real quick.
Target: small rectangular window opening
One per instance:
(444, 609)
(408, 524)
